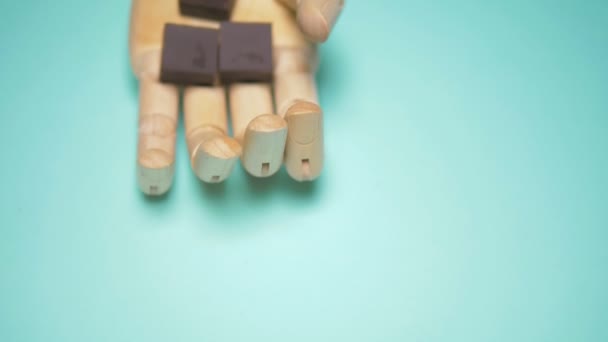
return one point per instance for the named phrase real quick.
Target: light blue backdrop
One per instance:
(465, 196)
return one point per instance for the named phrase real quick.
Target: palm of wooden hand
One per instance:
(262, 139)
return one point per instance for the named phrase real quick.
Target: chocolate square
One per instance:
(189, 55)
(245, 52)
(207, 9)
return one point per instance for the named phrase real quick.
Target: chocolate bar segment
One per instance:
(189, 55)
(245, 52)
(207, 9)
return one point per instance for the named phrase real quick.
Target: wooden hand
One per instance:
(262, 140)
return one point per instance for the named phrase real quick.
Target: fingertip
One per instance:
(312, 23)
(264, 145)
(317, 18)
(155, 171)
(304, 148)
(213, 160)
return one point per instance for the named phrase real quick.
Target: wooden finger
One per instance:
(212, 153)
(291, 87)
(296, 98)
(158, 113)
(261, 133)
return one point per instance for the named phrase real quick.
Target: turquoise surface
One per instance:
(465, 195)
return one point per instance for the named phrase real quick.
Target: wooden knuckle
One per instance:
(296, 59)
(157, 125)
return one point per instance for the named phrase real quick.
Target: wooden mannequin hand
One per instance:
(262, 139)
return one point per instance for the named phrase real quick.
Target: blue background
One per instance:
(464, 196)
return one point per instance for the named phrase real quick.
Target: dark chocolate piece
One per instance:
(245, 52)
(208, 9)
(189, 55)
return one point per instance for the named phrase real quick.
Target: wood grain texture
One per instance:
(248, 101)
(297, 101)
(264, 145)
(213, 154)
(205, 106)
(304, 150)
(261, 132)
